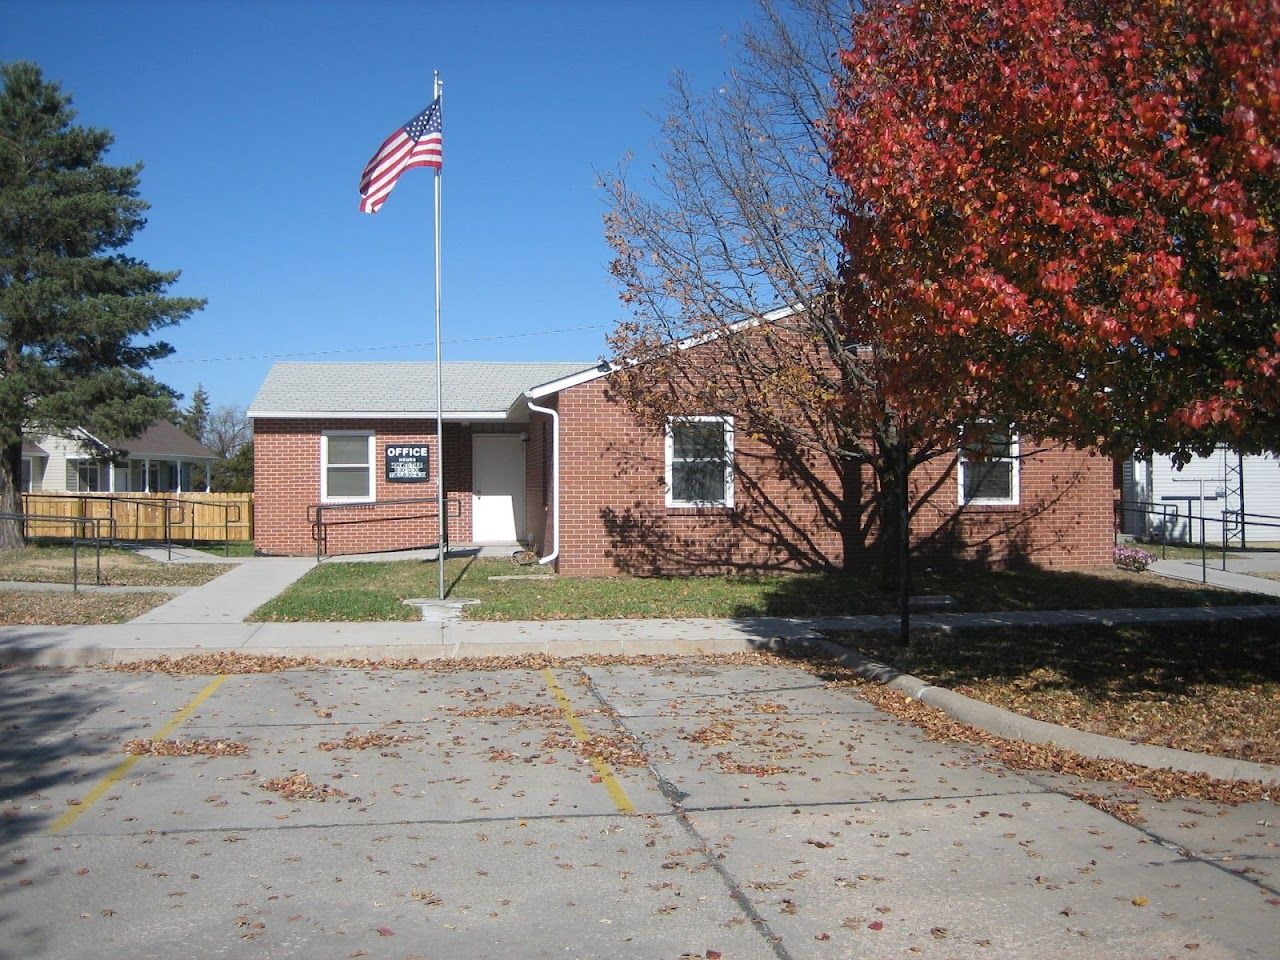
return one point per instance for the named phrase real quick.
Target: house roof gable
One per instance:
(605, 368)
(164, 440)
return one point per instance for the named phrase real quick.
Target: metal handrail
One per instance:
(81, 523)
(1166, 511)
(319, 525)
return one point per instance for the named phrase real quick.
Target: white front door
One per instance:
(497, 482)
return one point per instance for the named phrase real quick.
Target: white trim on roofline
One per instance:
(607, 367)
(373, 415)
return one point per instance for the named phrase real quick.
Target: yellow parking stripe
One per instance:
(603, 770)
(125, 765)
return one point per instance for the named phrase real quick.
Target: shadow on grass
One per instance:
(458, 572)
(975, 587)
(1101, 661)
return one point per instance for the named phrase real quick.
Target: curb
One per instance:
(984, 716)
(1015, 726)
(56, 657)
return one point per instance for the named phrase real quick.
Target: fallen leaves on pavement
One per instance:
(373, 740)
(508, 711)
(1238, 721)
(299, 786)
(236, 662)
(185, 748)
(617, 750)
(1162, 784)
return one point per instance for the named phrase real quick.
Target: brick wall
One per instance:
(794, 512)
(286, 472)
(537, 481)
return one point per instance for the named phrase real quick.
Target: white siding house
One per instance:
(162, 460)
(1171, 497)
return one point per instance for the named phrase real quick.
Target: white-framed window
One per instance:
(346, 466)
(700, 461)
(89, 476)
(988, 463)
(27, 472)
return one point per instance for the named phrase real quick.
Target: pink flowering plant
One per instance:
(1132, 558)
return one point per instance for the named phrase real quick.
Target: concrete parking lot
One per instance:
(748, 809)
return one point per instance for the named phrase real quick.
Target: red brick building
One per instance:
(546, 455)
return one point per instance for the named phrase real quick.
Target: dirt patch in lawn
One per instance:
(120, 568)
(38, 607)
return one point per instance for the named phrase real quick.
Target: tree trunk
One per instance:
(10, 497)
(852, 515)
(894, 541)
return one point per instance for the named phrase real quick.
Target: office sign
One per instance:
(408, 464)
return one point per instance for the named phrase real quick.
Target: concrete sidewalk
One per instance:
(1213, 574)
(230, 598)
(177, 632)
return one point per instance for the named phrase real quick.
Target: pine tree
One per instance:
(76, 312)
(194, 421)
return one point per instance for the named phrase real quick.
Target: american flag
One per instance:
(419, 143)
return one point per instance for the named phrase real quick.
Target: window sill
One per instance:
(696, 509)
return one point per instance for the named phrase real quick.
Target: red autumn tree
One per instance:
(738, 224)
(1073, 205)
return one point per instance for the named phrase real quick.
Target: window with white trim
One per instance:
(346, 466)
(89, 476)
(700, 461)
(988, 463)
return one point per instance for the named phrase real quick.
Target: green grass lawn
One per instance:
(374, 591)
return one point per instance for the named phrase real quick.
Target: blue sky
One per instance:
(254, 120)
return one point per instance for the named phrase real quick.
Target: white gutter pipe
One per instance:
(555, 479)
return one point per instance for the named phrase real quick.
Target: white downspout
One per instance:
(555, 479)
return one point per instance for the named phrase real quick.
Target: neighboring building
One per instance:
(546, 455)
(162, 459)
(1158, 500)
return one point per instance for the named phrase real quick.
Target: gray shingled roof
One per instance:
(400, 388)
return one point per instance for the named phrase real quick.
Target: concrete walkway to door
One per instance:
(230, 598)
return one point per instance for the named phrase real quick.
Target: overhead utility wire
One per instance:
(394, 346)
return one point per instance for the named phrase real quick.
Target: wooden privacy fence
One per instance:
(145, 516)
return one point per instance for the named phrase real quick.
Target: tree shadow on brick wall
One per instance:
(763, 532)
(983, 560)
(998, 538)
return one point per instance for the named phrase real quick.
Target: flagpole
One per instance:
(440, 512)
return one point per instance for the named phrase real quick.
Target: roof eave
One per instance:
(450, 415)
(608, 367)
